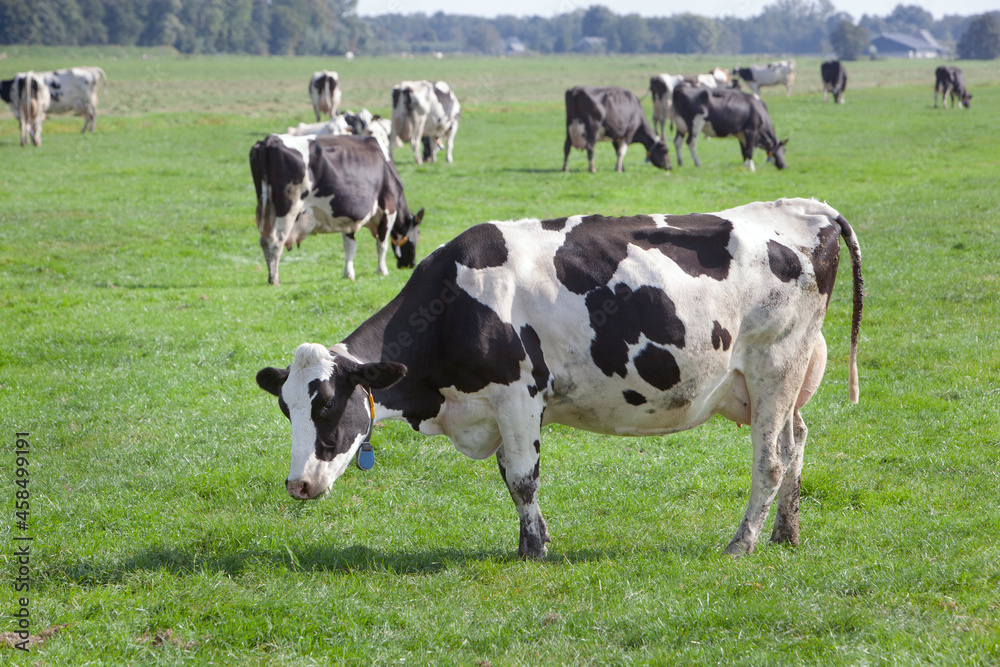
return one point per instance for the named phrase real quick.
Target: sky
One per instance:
(709, 8)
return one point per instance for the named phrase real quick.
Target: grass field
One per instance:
(138, 313)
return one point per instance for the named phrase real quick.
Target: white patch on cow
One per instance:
(312, 362)
(578, 134)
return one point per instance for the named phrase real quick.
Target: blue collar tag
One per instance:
(366, 456)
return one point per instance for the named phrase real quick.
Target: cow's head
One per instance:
(325, 397)
(405, 234)
(966, 99)
(658, 154)
(778, 154)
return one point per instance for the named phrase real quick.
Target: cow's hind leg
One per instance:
(773, 443)
(786, 519)
(566, 147)
(518, 459)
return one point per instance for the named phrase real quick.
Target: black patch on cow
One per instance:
(447, 102)
(783, 261)
(444, 336)
(826, 258)
(539, 370)
(721, 338)
(593, 249)
(618, 318)
(632, 397)
(274, 163)
(658, 367)
(483, 247)
(538, 446)
(554, 225)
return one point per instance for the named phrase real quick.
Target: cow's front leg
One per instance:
(381, 234)
(350, 248)
(519, 467)
(620, 147)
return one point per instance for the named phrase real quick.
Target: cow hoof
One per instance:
(737, 549)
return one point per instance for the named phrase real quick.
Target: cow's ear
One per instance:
(418, 218)
(378, 375)
(784, 142)
(272, 380)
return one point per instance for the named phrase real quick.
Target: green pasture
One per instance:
(136, 313)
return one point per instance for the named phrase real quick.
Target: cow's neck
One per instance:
(645, 135)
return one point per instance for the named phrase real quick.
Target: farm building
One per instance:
(898, 45)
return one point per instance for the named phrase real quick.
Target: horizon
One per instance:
(715, 9)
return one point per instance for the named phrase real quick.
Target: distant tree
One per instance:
(633, 34)
(485, 38)
(693, 34)
(598, 21)
(981, 40)
(909, 19)
(849, 41)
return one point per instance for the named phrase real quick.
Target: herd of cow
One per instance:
(640, 325)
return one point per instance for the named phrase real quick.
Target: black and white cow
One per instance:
(29, 99)
(74, 90)
(662, 88)
(950, 81)
(771, 74)
(425, 114)
(609, 114)
(637, 326)
(330, 184)
(725, 112)
(834, 80)
(324, 91)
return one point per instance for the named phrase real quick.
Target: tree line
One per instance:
(332, 27)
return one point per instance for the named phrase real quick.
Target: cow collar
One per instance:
(366, 454)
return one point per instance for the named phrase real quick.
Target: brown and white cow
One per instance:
(633, 326)
(324, 91)
(29, 99)
(609, 114)
(950, 82)
(330, 184)
(425, 114)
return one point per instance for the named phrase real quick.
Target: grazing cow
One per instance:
(642, 325)
(951, 82)
(662, 87)
(426, 114)
(324, 91)
(609, 114)
(725, 112)
(771, 74)
(74, 90)
(335, 126)
(834, 80)
(28, 97)
(326, 184)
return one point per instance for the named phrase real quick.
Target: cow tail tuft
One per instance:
(851, 240)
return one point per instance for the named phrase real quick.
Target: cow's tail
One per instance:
(851, 240)
(102, 78)
(29, 100)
